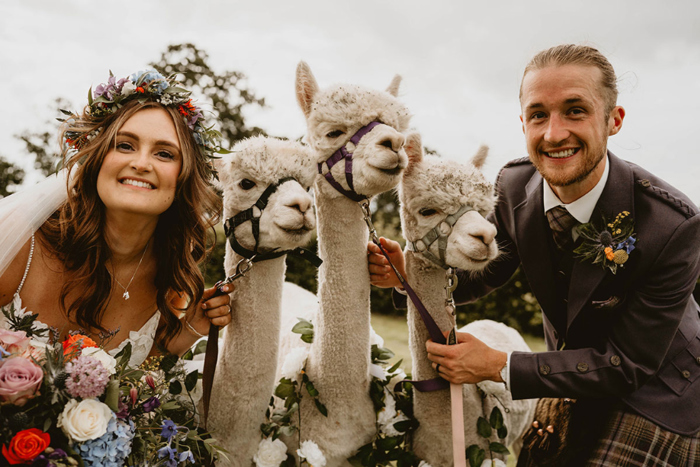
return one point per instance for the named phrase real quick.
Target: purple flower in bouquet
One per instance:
(20, 378)
(169, 429)
(186, 456)
(151, 404)
(169, 454)
(87, 377)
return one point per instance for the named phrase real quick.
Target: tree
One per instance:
(10, 177)
(226, 92)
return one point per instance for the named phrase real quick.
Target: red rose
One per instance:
(26, 446)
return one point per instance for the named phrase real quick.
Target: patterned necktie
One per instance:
(561, 223)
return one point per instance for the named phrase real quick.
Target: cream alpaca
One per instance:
(431, 189)
(339, 357)
(245, 374)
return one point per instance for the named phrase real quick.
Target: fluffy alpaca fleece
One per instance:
(339, 357)
(431, 189)
(245, 374)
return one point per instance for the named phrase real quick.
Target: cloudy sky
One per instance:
(461, 62)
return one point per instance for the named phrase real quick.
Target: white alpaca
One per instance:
(431, 189)
(245, 374)
(339, 358)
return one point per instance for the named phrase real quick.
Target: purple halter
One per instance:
(340, 154)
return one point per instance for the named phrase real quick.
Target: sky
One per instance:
(461, 63)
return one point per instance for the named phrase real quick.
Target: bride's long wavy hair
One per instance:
(75, 233)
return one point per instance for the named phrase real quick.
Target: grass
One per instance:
(394, 330)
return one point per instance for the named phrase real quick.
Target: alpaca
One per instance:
(245, 373)
(431, 189)
(339, 357)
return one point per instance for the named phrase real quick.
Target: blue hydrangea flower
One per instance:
(110, 449)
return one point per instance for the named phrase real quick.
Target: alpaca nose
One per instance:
(300, 203)
(485, 234)
(394, 142)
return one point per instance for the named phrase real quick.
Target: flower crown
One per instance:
(148, 86)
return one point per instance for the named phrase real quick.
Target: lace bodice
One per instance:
(141, 340)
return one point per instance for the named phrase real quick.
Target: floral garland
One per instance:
(395, 422)
(69, 403)
(284, 416)
(392, 443)
(610, 245)
(147, 86)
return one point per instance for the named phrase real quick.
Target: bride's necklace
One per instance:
(126, 289)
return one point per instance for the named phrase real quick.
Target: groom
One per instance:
(631, 337)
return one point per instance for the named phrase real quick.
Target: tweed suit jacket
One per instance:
(635, 335)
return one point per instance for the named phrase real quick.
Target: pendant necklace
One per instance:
(126, 289)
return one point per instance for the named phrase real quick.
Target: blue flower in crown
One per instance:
(156, 82)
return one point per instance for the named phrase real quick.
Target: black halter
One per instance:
(249, 215)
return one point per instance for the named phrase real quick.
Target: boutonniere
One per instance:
(609, 245)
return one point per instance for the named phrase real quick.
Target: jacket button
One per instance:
(545, 369)
(686, 374)
(582, 367)
(698, 360)
(615, 360)
(645, 183)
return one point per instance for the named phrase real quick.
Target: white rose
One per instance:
(270, 453)
(85, 420)
(107, 361)
(313, 455)
(294, 362)
(375, 339)
(128, 88)
(424, 464)
(492, 463)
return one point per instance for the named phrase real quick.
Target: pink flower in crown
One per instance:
(13, 341)
(20, 378)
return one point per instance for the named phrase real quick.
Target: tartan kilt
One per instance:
(631, 440)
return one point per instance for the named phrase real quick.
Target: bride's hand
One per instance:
(217, 308)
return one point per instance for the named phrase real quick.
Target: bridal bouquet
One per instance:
(69, 403)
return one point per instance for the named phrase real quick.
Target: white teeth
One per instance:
(560, 154)
(128, 181)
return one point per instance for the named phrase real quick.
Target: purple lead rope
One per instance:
(427, 385)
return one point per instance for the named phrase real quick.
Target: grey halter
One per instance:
(440, 233)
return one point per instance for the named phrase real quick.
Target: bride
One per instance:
(113, 249)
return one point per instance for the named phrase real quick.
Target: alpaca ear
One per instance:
(480, 156)
(393, 88)
(306, 87)
(414, 151)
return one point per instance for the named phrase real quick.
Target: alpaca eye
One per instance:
(246, 184)
(335, 134)
(426, 212)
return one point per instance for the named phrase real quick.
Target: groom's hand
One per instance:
(470, 361)
(380, 273)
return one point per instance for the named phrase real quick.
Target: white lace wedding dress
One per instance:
(141, 340)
